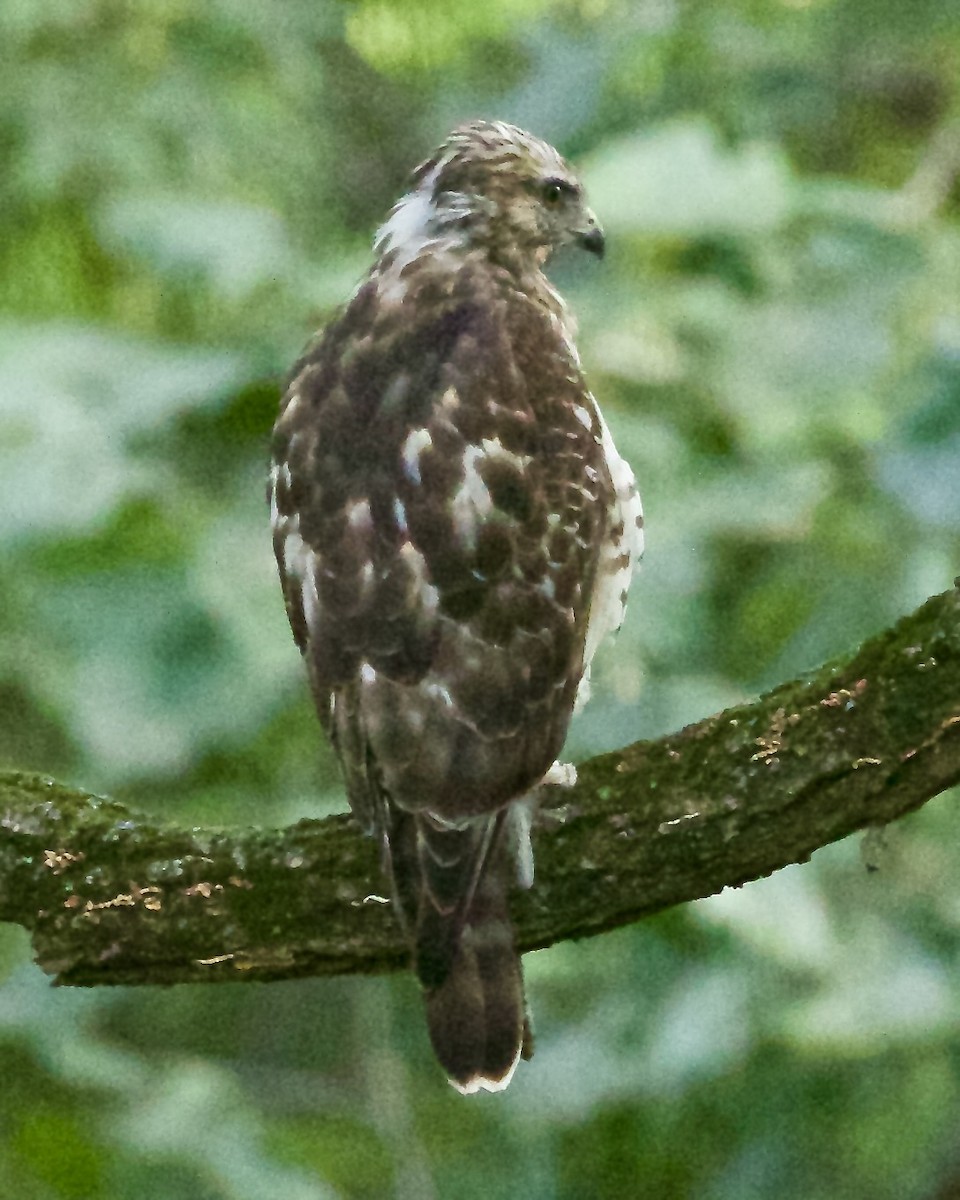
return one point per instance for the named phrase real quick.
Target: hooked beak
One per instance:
(590, 236)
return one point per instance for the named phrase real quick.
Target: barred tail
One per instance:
(452, 886)
(476, 1012)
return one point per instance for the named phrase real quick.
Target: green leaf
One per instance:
(678, 179)
(74, 400)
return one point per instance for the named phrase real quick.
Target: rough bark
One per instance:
(112, 898)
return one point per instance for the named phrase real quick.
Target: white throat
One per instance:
(416, 227)
(408, 223)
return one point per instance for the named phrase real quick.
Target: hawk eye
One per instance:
(552, 191)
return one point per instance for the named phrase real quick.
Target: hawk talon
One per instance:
(562, 775)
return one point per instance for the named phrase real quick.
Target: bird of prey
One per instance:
(455, 533)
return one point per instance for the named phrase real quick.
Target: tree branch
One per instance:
(111, 898)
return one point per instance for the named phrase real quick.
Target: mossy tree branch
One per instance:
(111, 898)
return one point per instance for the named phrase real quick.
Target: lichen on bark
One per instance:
(109, 897)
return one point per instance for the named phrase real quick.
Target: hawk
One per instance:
(455, 534)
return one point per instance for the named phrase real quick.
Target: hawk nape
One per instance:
(455, 533)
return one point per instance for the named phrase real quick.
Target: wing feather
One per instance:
(438, 532)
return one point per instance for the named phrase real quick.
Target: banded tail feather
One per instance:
(464, 952)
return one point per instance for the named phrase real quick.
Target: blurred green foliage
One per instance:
(775, 336)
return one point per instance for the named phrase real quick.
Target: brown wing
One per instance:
(440, 495)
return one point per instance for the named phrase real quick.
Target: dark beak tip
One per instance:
(593, 240)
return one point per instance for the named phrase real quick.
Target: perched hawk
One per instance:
(455, 533)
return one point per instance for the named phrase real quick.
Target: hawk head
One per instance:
(495, 188)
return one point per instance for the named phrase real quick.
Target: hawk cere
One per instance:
(455, 534)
